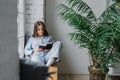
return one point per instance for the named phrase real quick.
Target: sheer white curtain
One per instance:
(21, 25)
(29, 11)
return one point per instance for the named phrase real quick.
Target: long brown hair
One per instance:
(36, 24)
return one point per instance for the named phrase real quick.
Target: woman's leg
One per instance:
(38, 58)
(53, 55)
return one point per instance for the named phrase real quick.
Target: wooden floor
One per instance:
(72, 77)
(114, 78)
(82, 77)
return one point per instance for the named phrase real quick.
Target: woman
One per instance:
(43, 56)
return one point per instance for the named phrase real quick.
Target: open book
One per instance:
(46, 46)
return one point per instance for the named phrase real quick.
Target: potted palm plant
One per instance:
(101, 36)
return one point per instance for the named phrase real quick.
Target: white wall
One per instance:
(9, 67)
(73, 59)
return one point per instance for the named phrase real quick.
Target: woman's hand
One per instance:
(38, 50)
(46, 50)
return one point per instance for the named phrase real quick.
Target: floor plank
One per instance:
(82, 77)
(72, 77)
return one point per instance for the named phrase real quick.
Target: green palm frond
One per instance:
(83, 38)
(109, 15)
(75, 10)
(82, 8)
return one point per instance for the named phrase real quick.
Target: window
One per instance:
(29, 11)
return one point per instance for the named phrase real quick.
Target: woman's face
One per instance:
(40, 30)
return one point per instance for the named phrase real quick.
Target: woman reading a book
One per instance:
(41, 46)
